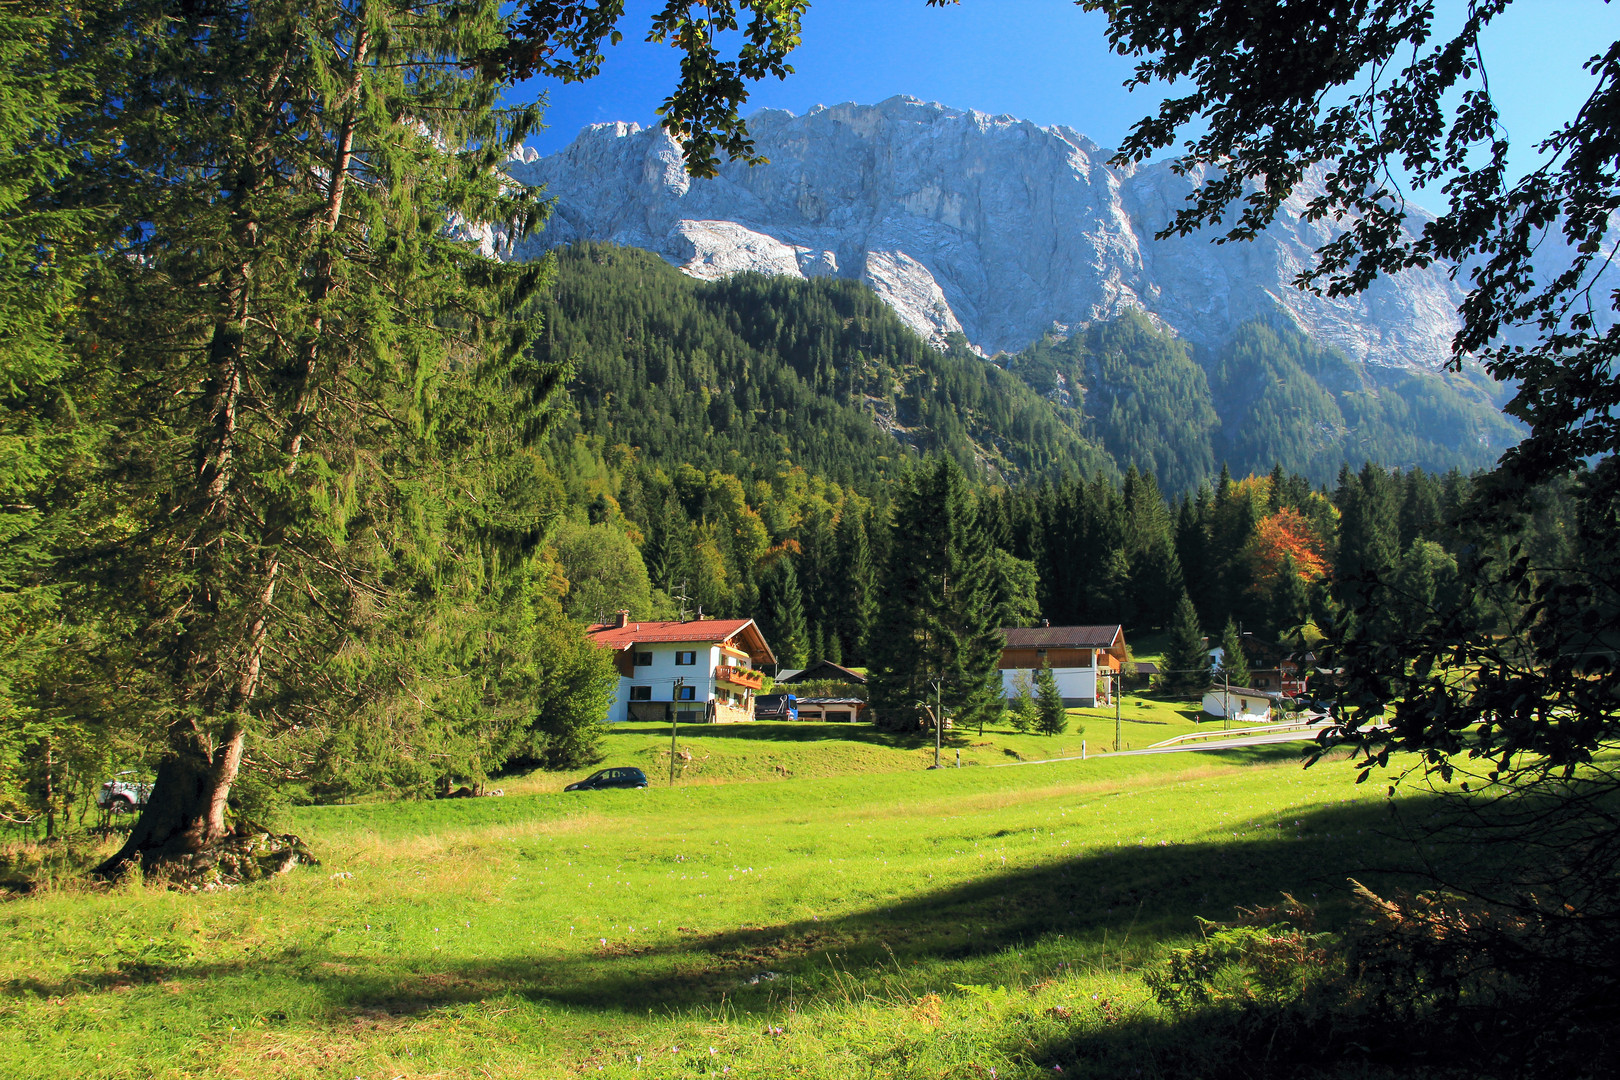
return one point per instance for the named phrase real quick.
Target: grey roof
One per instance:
(1061, 637)
(1243, 691)
(823, 669)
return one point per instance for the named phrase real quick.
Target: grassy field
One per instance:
(857, 917)
(709, 754)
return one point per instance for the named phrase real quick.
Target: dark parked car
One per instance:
(609, 778)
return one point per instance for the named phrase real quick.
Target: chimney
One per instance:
(621, 619)
(1045, 623)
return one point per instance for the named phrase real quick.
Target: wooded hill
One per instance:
(736, 374)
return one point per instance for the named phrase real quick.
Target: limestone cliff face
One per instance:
(987, 225)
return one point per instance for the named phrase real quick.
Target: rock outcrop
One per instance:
(986, 225)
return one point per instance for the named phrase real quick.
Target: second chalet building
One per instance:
(1077, 654)
(700, 669)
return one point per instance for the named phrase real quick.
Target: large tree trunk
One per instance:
(185, 815)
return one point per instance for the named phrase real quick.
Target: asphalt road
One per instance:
(1266, 738)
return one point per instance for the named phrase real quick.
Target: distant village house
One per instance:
(701, 670)
(1077, 654)
(1242, 703)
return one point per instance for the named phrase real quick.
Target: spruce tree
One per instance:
(1291, 599)
(938, 617)
(1186, 658)
(1369, 545)
(857, 608)
(325, 393)
(46, 247)
(1022, 712)
(1234, 665)
(1051, 717)
(781, 613)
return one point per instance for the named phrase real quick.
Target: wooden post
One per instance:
(675, 695)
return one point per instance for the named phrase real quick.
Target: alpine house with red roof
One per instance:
(702, 669)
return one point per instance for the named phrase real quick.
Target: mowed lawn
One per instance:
(898, 923)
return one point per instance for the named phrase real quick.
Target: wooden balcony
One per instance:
(739, 676)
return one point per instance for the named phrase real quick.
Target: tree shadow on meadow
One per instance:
(1109, 907)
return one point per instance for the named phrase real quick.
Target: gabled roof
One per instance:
(1241, 691)
(1064, 637)
(823, 669)
(697, 631)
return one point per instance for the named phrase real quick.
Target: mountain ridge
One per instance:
(988, 226)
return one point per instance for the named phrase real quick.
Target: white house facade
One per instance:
(703, 670)
(1241, 703)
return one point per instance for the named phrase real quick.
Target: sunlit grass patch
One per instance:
(903, 923)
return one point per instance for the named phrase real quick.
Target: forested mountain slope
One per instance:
(741, 373)
(738, 374)
(1269, 396)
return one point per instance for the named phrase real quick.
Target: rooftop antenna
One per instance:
(683, 600)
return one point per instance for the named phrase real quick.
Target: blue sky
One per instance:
(1040, 60)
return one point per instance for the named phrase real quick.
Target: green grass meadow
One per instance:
(848, 914)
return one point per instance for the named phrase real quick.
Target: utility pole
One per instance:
(939, 718)
(675, 697)
(1113, 678)
(1118, 682)
(1226, 699)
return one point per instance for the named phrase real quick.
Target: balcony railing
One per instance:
(739, 676)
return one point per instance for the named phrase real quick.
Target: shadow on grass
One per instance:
(1107, 908)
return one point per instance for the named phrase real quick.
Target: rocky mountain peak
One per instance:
(990, 226)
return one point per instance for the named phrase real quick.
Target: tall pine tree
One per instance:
(325, 394)
(937, 620)
(1234, 665)
(1186, 658)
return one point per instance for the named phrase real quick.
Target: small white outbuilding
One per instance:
(1242, 703)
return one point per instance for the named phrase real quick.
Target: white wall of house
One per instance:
(1244, 705)
(1077, 685)
(659, 679)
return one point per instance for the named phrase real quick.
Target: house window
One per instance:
(687, 693)
(641, 693)
(686, 659)
(643, 659)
